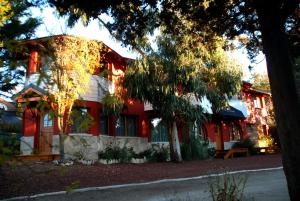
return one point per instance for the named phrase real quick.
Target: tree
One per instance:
(68, 64)
(270, 25)
(16, 23)
(174, 79)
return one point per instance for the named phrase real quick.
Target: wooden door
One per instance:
(219, 137)
(45, 134)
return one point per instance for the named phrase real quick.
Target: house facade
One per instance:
(136, 127)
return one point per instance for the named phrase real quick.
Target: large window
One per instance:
(235, 132)
(159, 131)
(126, 126)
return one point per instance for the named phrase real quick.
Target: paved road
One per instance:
(261, 186)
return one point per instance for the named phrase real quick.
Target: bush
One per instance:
(194, 148)
(124, 155)
(157, 154)
(246, 143)
(9, 146)
(227, 188)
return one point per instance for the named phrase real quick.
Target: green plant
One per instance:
(227, 187)
(194, 148)
(123, 155)
(246, 143)
(157, 154)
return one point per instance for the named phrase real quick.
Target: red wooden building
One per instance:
(135, 127)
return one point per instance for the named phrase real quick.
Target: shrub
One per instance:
(194, 148)
(246, 143)
(124, 155)
(9, 146)
(155, 154)
(227, 187)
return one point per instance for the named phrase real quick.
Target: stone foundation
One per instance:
(27, 145)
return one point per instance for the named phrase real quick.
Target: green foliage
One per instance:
(175, 75)
(194, 148)
(112, 104)
(123, 155)
(80, 120)
(15, 23)
(9, 146)
(227, 187)
(246, 143)
(156, 154)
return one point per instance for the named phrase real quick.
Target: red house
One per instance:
(136, 127)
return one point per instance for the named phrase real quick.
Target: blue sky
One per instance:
(52, 25)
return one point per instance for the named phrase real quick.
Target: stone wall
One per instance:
(27, 145)
(86, 146)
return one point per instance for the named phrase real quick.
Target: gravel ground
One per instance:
(29, 178)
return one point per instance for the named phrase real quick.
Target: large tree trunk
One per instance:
(283, 87)
(175, 151)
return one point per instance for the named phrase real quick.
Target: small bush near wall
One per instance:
(123, 155)
(194, 148)
(126, 155)
(9, 146)
(246, 143)
(156, 154)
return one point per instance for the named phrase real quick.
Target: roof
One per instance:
(28, 88)
(247, 87)
(8, 106)
(232, 113)
(37, 41)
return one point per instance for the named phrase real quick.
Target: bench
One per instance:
(233, 151)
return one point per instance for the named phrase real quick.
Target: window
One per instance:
(126, 126)
(80, 120)
(257, 103)
(47, 121)
(159, 131)
(104, 125)
(199, 130)
(235, 132)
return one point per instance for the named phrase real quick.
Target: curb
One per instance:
(81, 190)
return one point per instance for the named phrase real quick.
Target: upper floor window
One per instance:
(258, 102)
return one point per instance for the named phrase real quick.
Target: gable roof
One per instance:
(30, 88)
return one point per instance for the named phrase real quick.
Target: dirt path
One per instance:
(39, 177)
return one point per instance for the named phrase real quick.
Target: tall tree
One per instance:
(66, 70)
(272, 26)
(15, 23)
(176, 77)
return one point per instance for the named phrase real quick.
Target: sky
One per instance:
(52, 25)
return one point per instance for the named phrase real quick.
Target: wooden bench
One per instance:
(233, 151)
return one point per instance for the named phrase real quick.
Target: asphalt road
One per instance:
(268, 185)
